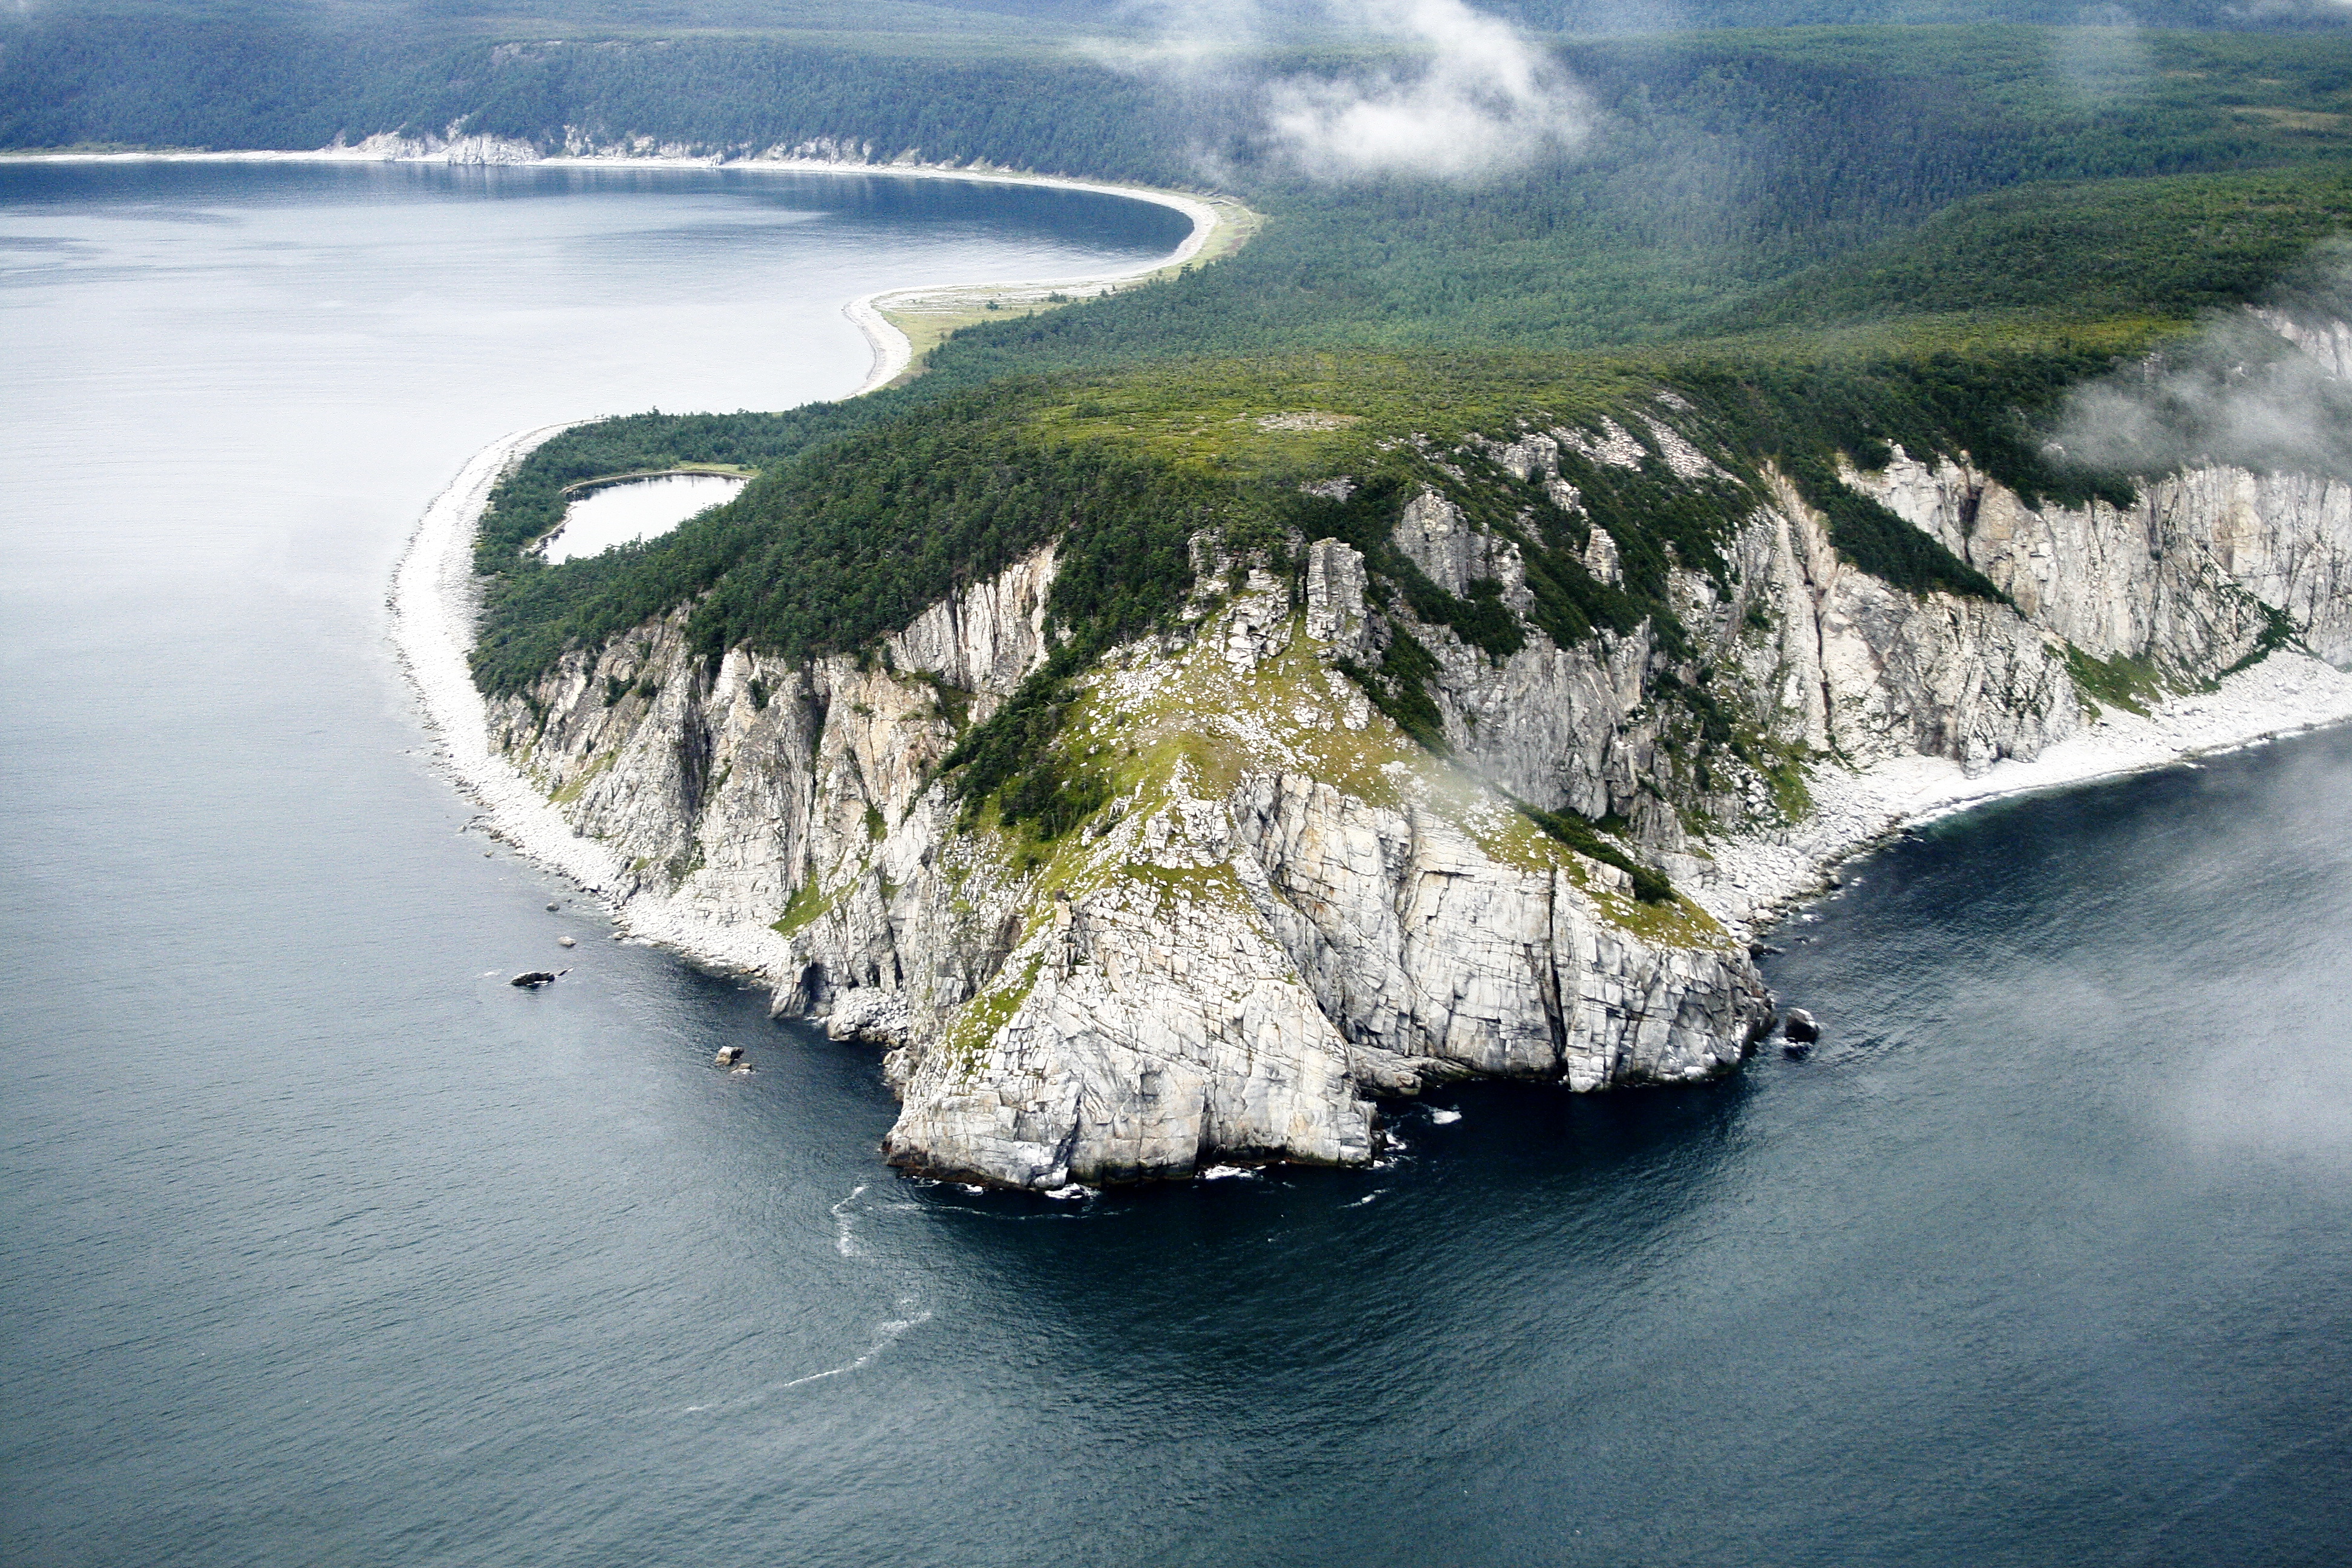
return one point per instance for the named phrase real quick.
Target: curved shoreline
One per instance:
(893, 351)
(434, 602)
(1752, 882)
(1748, 882)
(434, 598)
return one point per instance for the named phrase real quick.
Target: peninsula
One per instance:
(1433, 639)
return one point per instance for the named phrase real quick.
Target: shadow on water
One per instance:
(1547, 1169)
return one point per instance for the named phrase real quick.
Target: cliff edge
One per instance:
(1473, 765)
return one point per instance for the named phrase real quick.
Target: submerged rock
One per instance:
(533, 979)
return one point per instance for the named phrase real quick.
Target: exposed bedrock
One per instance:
(2178, 579)
(1287, 909)
(1819, 654)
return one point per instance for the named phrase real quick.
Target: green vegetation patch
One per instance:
(1016, 758)
(982, 1017)
(2171, 246)
(1584, 835)
(809, 902)
(2134, 685)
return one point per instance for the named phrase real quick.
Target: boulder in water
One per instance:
(1800, 1027)
(533, 979)
(728, 1055)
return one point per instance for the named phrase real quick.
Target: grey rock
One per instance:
(1304, 913)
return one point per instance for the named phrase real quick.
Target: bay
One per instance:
(641, 509)
(319, 1242)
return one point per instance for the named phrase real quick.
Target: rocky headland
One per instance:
(1335, 852)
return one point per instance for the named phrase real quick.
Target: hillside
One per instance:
(1413, 645)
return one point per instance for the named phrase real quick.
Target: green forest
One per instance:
(1824, 238)
(1902, 234)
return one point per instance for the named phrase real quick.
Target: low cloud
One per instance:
(2103, 56)
(1487, 99)
(2265, 390)
(1472, 98)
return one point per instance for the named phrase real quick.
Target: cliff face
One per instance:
(1817, 658)
(1288, 909)
(2184, 580)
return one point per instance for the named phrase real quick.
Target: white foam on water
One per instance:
(885, 1336)
(844, 1242)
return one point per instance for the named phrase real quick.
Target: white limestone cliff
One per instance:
(1288, 910)
(1291, 910)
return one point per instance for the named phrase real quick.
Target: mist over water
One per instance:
(320, 1243)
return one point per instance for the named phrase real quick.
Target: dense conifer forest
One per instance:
(1823, 239)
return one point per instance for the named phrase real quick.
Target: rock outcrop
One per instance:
(1288, 912)
(1286, 909)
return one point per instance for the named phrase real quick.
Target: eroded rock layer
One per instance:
(1285, 907)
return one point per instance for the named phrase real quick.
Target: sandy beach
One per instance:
(434, 601)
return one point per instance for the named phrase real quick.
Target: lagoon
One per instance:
(637, 510)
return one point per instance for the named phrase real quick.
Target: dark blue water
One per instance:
(318, 1243)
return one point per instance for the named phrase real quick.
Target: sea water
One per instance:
(319, 1242)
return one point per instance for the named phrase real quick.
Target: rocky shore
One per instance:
(1287, 911)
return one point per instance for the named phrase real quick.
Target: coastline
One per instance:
(1749, 882)
(894, 351)
(434, 602)
(434, 598)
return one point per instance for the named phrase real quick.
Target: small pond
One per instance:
(640, 509)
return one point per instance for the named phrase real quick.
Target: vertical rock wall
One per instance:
(1288, 910)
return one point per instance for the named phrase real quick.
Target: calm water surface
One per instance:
(318, 1243)
(642, 509)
